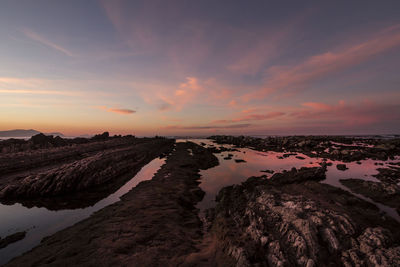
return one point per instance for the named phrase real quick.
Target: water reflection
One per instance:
(228, 172)
(41, 222)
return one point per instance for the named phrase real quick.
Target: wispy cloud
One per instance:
(170, 98)
(44, 41)
(208, 127)
(34, 86)
(253, 117)
(123, 111)
(39, 92)
(289, 79)
(348, 114)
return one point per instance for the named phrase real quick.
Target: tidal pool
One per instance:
(230, 172)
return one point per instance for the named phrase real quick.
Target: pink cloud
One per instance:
(253, 117)
(208, 127)
(170, 98)
(122, 111)
(364, 113)
(289, 79)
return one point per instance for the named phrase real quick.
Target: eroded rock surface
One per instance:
(267, 223)
(95, 174)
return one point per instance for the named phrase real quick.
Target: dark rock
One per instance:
(385, 193)
(299, 175)
(260, 223)
(239, 160)
(341, 167)
(4, 242)
(389, 175)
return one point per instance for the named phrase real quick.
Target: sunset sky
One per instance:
(200, 67)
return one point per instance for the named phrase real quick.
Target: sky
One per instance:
(200, 67)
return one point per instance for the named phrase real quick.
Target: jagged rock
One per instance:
(301, 224)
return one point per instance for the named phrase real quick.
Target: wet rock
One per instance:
(299, 175)
(341, 167)
(239, 160)
(300, 157)
(4, 242)
(389, 175)
(385, 193)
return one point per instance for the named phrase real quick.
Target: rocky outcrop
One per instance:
(382, 192)
(389, 175)
(154, 224)
(267, 223)
(332, 147)
(299, 175)
(95, 175)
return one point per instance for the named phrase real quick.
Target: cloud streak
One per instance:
(42, 40)
(208, 127)
(254, 117)
(122, 111)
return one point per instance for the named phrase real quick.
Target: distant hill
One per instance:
(24, 133)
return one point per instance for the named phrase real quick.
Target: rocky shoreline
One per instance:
(76, 176)
(331, 147)
(154, 224)
(289, 219)
(301, 223)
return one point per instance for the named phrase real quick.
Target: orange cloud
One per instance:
(122, 111)
(288, 79)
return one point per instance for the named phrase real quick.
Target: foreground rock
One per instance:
(304, 223)
(385, 193)
(85, 180)
(155, 224)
